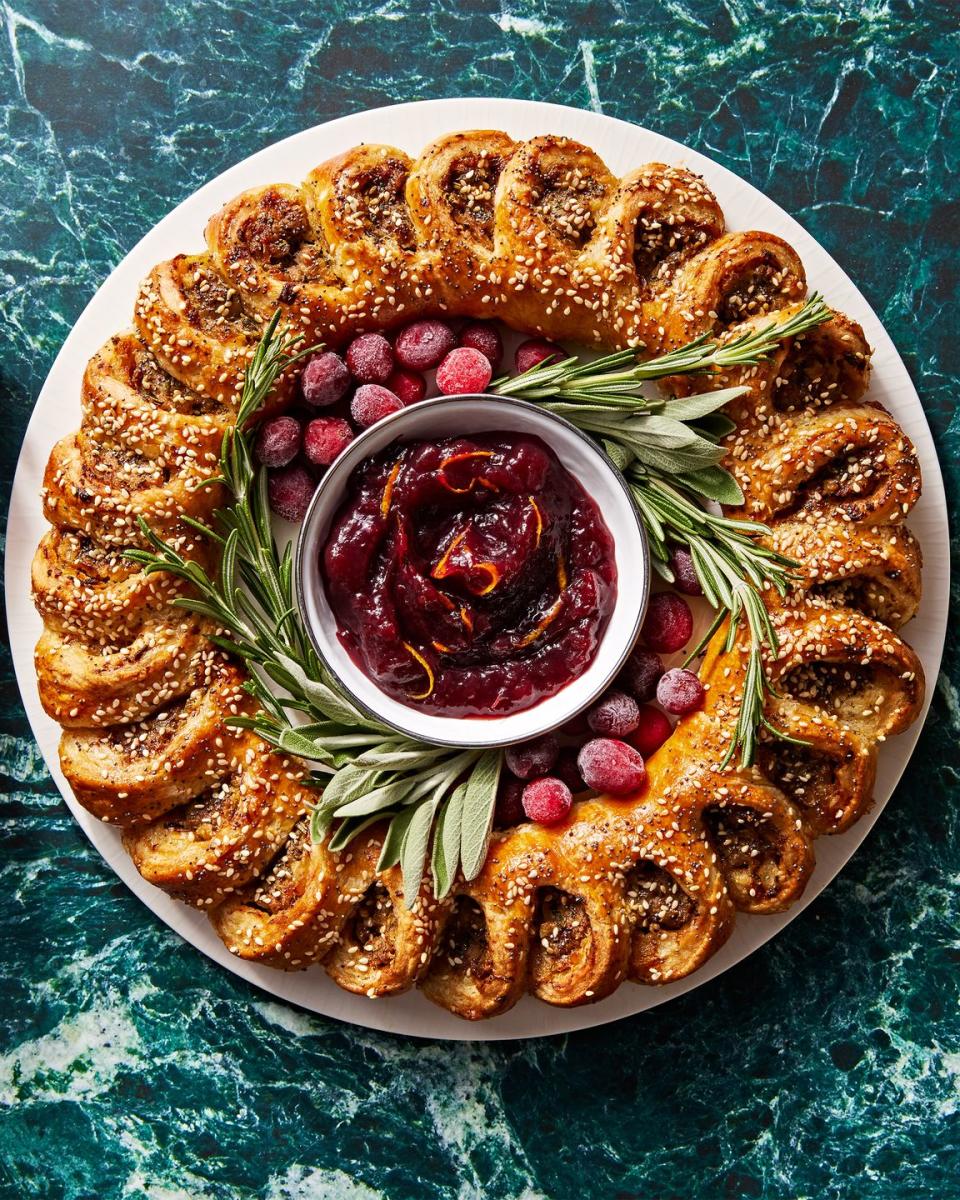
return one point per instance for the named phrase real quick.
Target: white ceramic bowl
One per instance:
(462, 416)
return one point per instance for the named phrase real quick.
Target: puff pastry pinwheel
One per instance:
(543, 236)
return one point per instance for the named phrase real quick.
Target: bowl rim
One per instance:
(337, 475)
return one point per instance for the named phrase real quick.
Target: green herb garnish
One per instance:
(438, 802)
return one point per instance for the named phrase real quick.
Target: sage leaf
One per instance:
(392, 758)
(715, 483)
(393, 842)
(348, 830)
(447, 839)
(335, 707)
(690, 408)
(295, 743)
(388, 795)
(618, 454)
(320, 820)
(347, 784)
(413, 855)
(477, 816)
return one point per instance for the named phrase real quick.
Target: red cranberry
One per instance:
(324, 439)
(464, 371)
(371, 403)
(640, 674)
(609, 765)
(668, 624)
(483, 337)
(278, 441)
(684, 572)
(423, 344)
(535, 351)
(325, 379)
(615, 715)
(509, 807)
(680, 691)
(566, 769)
(652, 730)
(547, 800)
(290, 490)
(370, 358)
(409, 386)
(531, 759)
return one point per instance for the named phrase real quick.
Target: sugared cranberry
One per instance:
(278, 441)
(614, 715)
(325, 379)
(534, 758)
(668, 624)
(509, 806)
(408, 385)
(566, 769)
(370, 358)
(640, 674)
(680, 691)
(684, 572)
(290, 490)
(609, 765)
(547, 800)
(652, 730)
(463, 371)
(535, 351)
(480, 335)
(324, 438)
(423, 344)
(371, 403)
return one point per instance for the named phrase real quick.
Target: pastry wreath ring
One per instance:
(541, 235)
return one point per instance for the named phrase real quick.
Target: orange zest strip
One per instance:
(539, 515)
(561, 573)
(466, 618)
(542, 623)
(462, 458)
(440, 647)
(493, 571)
(426, 666)
(442, 567)
(388, 490)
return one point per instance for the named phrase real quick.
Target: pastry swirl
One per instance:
(133, 773)
(226, 834)
(543, 236)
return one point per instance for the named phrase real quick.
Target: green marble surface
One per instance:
(827, 1065)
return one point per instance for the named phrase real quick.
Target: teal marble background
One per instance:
(828, 1065)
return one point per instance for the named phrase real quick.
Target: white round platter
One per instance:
(410, 127)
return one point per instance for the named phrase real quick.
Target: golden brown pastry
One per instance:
(227, 833)
(131, 774)
(451, 194)
(88, 684)
(291, 916)
(103, 489)
(86, 588)
(542, 235)
(196, 327)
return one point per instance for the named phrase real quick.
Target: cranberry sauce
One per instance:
(470, 577)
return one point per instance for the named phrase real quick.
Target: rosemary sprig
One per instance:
(366, 770)
(615, 379)
(668, 450)
(734, 569)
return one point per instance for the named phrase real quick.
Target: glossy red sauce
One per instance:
(470, 577)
